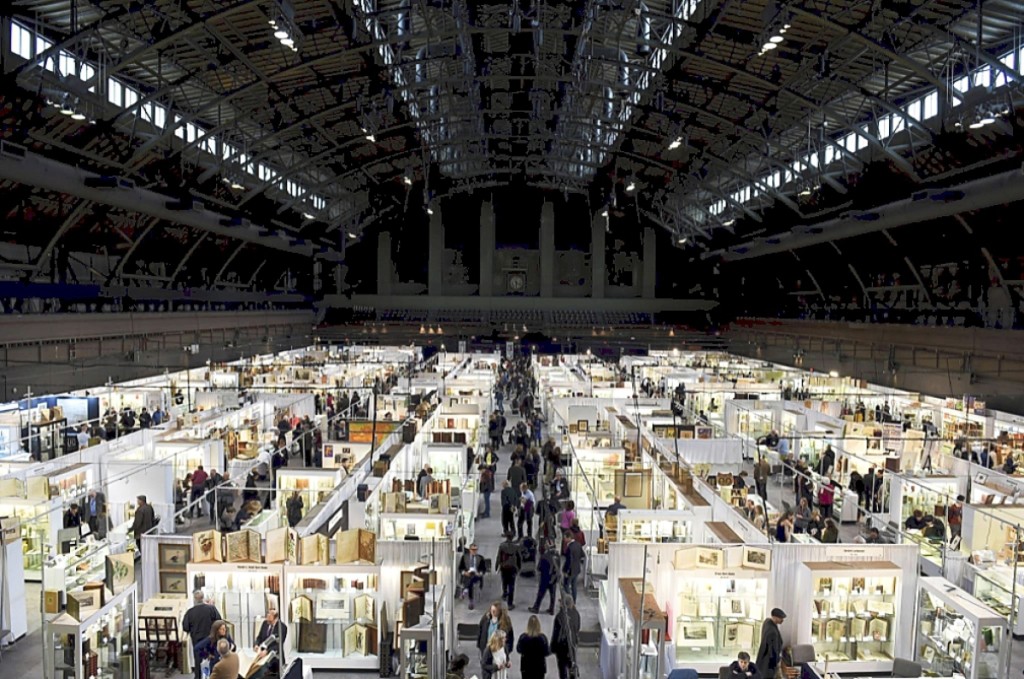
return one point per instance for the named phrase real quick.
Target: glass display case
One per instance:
(958, 634)
(636, 525)
(728, 610)
(994, 587)
(83, 564)
(418, 660)
(447, 461)
(334, 612)
(643, 629)
(104, 644)
(854, 609)
(39, 524)
(416, 526)
(313, 486)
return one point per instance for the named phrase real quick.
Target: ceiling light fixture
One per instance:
(281, 34)
(77, 116)
(66, 109)
(676, 143)
(682, 240)
(287, 42)
(351, 235)
(805, 192)
(730, 222)
(306, 215)
(236, 185)
(630, 187)
(371, 138)
(430, 211)
(776, 39)
(408, 180)
(974, 126)
(987, 120)
(605, 213)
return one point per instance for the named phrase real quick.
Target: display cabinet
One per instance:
(40, 521)
(643, 626)
(447, 461)
(853, 609)
(83, 564)
(313, 486)
(958, 634)
(416, 526)
(46, 439)
(994, 587)
(650, 526)
(416, 649)
(717, 616)
(242, 592)
(104, 644)
(333, 612)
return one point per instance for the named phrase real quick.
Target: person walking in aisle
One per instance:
(198, 621)
(145, 520)
(955, 517)
(495, 619)
(517, 473)
(762, 470)
(533, 650)
(486, 488)
(564, 634)
(496, 662)
(572, 556)
(509, 561)
(509, 502)
(527, 504)
(769, 653)
(548, 581)
(199, 477)
(826, 497)
(293, 507)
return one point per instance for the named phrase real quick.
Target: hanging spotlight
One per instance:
(630, 187)
(281, 34)
(776, 39)
(408, 180)
(77, 116)
(306, 215)
(66, 108)
(676, 143)
(288, 42)
(605, 213)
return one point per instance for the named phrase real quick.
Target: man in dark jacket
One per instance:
(564, 635)
(549, 570)
(270, 639)
(471, 567)
(145, 520)
(769, 653)
(572, 554)
(198, 620)
(742, 668)
(517, 473)
(509, 561)
(509, 503)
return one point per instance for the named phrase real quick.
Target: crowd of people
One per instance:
(214, 651)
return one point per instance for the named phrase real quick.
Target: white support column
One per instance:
(384, 265)
(487, 249)
(435, 252)
(597, 249)
(547, 250)
(649, 263)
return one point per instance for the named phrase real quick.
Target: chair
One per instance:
(803, 653)
(908, 669)
(683, 674)
(724, 672)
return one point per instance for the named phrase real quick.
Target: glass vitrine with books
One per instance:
(334, 614)
(96, 639)
(958, 634)
(853, 609)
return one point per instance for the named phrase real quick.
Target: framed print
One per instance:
(173, 583)
(709, 558)
(173, 557)
(82, 604)
(757, 558)
(332, 606)
(583, 425)
(739, 634)
(733, 607)
(634, 485)
(695, 634)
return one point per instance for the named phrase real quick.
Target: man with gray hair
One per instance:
(197, 622)
(227, 666)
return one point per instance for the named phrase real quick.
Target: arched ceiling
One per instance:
(674, 104)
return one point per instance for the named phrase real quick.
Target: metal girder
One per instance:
(68, 222)
(919, 69)
(153, 221)
(196, 242)
(227, 262)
